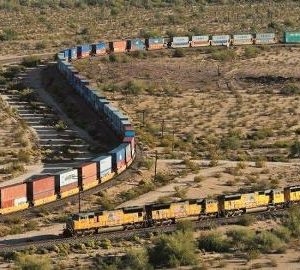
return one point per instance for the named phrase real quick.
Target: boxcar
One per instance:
(13, 198)
(41, 189)
(66, 183)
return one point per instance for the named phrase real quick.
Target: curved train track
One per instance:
(31, 212)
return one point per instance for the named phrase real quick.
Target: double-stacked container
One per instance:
(132, 145)
(99, 48)
(136, 44)
(118, 46)
(83, 51)
(291, 37)
(180, 42)
(128, 154)
(265, 38)
(13, 198)
(87, 175)
(127, 129)
(155, 43)
(104, 168)
(242, 39)
(200, 41)
(119, 158)
(220, 40)
(41, 189)
(66, 183)
(72, 55)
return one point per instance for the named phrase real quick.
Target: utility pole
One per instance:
(155, 165)
(173, 140)
(143, 117)
(79, 201)
(162, 128)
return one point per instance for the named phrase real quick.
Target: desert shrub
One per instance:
(185, 226)
(24, 155)
(178, 52)
(106, 244)
(8, 34)
(173, 250)
(282, 233)
(31, 61)
(246, 220)
(268, 242)
(33, 262)
(31, 225)
(223, 55)
(292, 222)
(214, 242)
(147, 163)
(134, 87)
(295, 149)
(136, 259)
(106, 203)
(290, 89)
(198, 178)
(163, 178)
(251, 52)
(231, 142)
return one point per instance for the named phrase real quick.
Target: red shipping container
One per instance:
(155, 47)
(10, 194)
(118, 46)
(41, 187)
(87, 173)
(68, 187)
(43, 195)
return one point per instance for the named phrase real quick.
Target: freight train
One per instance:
(46, 188)
(169, 213)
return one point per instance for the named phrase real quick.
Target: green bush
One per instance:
(177, 249)
(268, 242)
(290, 89)
(33, 262)
(295, 149)
(135, 87)
(246, 220)
(179, 52)
(8, 34)
(136, 259)
(31, 61)
(292, 222)
(282, 233)
(214, 242)
(223, 55)
(230, 143)
(251, 52)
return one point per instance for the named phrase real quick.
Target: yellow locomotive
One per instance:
(168, 213)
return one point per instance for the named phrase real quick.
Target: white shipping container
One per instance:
(180, 39)
(265, 35)
(242, 37)
(105, 162)
(20, 201)
(220, 38)
(68, 177)
(200, 38)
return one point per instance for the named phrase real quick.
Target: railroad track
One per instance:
(58, 204)
(142, 232)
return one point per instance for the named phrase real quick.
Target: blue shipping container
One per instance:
(118, 156)
(72, 53)
(136, 44)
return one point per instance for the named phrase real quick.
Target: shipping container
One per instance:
(130, 140)
(136, 44)
(41, 189)
(14, 196)
(66, 182)
(104, 167)
(265, 38)
(72, 54)
(99, 48)
(118, 46)
(199, 41)
(180, 42)
(118, 158)
(154, 43)
(242, 39)
(220, 40)
(128, 154)
(291, 37)
(87, 175)
(83, 51)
